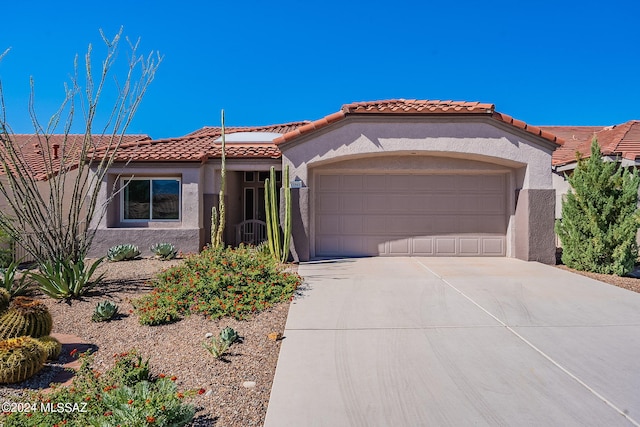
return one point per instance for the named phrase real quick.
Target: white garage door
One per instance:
(422, 215)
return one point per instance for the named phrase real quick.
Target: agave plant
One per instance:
(9, 282)
(164, 250)
(122, 252)
(219, 345)
(64, 279)
(229, 335)
(105, 310)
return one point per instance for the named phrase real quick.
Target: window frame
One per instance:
(123, 188)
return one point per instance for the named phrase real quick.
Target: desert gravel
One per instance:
(175, 349)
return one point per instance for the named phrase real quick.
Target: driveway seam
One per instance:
(531, 345)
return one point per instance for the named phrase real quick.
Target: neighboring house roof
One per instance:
(36, 150)
(201, 145)
(417, 107)
(621, 141)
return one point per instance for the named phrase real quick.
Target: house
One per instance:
(618, 143)
(43, 157)
(382, 178)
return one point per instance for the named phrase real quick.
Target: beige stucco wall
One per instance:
(186, 234)
(393, 142)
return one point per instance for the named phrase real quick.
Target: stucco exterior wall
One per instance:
(451, 144)
(187, 233)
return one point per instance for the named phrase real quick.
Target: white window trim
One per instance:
(149, 178)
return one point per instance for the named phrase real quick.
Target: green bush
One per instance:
(600, 217)
(125, 395)
(64, 279)
(217, 283)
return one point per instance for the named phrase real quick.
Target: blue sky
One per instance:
(546, 62)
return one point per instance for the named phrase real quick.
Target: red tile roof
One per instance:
(621, 140)
(417, 107)
(201, 144)
(36, 150)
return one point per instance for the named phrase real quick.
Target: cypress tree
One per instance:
(600, 217)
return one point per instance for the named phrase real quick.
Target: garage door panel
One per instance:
(376, 203)
(400, 247)
(351, 224)
(423, 246)
(352, 182)
(431, 215)
(352, 203)
(328, 224)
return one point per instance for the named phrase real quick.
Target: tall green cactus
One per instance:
(278, 245)
(20, 358)
(25, 316)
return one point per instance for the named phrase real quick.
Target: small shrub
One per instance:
(125, 395)
(219, 345)
(8, 280)
(164, 250)
(122, 253)
(63, 279)
(105, 310)
(217, 283)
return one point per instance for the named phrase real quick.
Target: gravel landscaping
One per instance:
(237, 387)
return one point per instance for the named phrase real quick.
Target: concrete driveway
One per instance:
(442, 341)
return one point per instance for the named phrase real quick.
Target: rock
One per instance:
(274, 336)
(249, 384)
(208, 335)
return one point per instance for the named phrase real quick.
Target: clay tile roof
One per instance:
(36, 150)
(621, 140)
(417, 107)
(201, 144)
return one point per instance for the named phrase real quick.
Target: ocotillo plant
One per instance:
(278, 245)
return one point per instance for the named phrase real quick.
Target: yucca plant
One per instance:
(64, 279)
(164, 250)
(105, 310)
(9, 282)
(122, 252)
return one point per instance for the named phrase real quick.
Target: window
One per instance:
(145, 199)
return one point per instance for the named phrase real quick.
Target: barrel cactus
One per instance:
(164, 250)
(105, 310)
(122, 252)
(51, 347)
(25, 317)
(20, 358)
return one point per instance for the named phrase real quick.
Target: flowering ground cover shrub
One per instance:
(126, 395)
(217, 283)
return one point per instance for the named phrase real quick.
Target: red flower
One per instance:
(179, 395)
(201, 391)
(73, 352)
(173, 378)
(162, 375)
(130, 401)
(150, 419)
(108, 414)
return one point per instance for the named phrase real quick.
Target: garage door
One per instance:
(422, 215)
